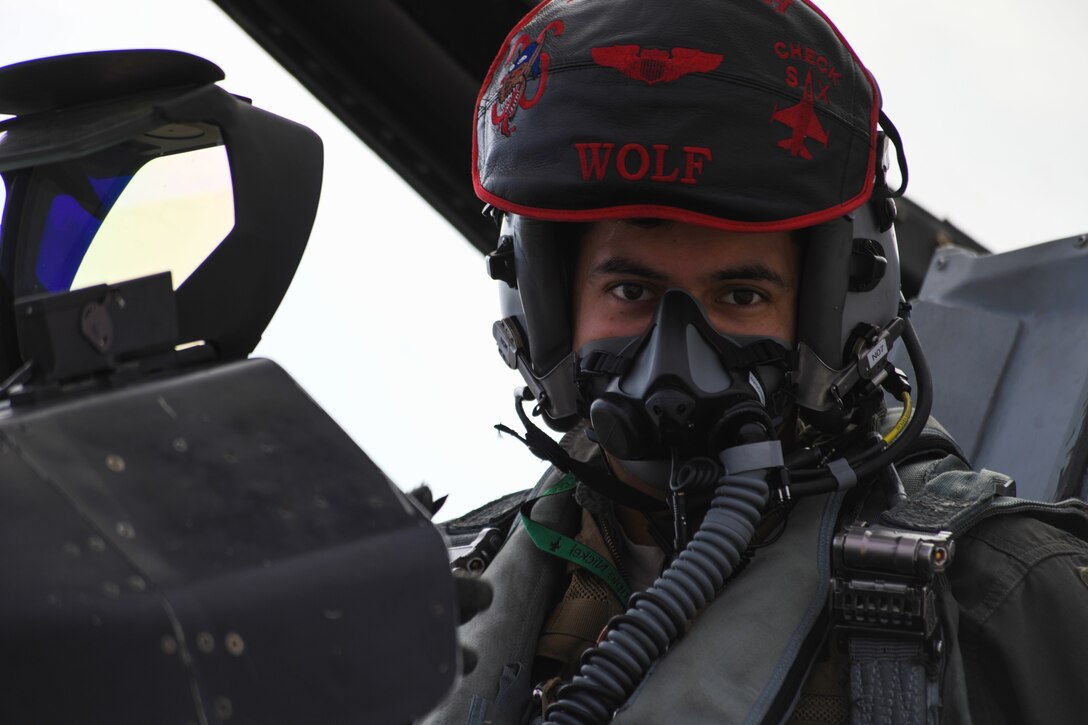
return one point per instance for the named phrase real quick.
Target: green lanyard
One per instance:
(554, 543)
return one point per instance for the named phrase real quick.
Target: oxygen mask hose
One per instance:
(656, 618)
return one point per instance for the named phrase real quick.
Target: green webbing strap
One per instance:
(554, 543)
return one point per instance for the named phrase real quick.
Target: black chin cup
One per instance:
(682, 388)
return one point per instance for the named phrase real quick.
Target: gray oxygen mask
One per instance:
(680, 390)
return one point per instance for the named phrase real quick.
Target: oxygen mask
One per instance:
(681, 390)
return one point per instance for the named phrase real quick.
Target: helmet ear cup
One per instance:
(543, 297)
(538, 305)
(849, 282)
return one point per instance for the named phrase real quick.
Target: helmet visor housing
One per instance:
(753, 118)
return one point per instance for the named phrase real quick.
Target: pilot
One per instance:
(750, 517)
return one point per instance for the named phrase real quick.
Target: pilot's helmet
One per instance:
(744, 117)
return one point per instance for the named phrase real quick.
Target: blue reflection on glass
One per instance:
(69, 229)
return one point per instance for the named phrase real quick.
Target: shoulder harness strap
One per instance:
(887, 579)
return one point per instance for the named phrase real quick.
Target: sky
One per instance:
(387, 324)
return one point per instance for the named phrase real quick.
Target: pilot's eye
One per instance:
(630, 292)
(743, 297)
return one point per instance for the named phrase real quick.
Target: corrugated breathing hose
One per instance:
(655, 619)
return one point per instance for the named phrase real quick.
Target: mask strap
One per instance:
(754, 354)
(541, 445)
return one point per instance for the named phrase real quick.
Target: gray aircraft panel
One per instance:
(1007, 338)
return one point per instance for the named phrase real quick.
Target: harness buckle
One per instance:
(883, 581)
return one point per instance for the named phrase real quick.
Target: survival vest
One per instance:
(879, 582)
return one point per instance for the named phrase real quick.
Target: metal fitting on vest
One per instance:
(893, 551)
(479, 553)
(883, 576)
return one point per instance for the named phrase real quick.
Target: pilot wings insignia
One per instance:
(652, 66)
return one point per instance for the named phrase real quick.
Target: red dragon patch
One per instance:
(526, 62)
(652, 66)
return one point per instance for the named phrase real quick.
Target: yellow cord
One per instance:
(902, 422)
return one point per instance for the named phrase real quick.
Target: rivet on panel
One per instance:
(222, 708)
(205, 642)
(235, 644)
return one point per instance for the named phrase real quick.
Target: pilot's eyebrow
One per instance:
(628, 267)
(631, 268)
(754, 272)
